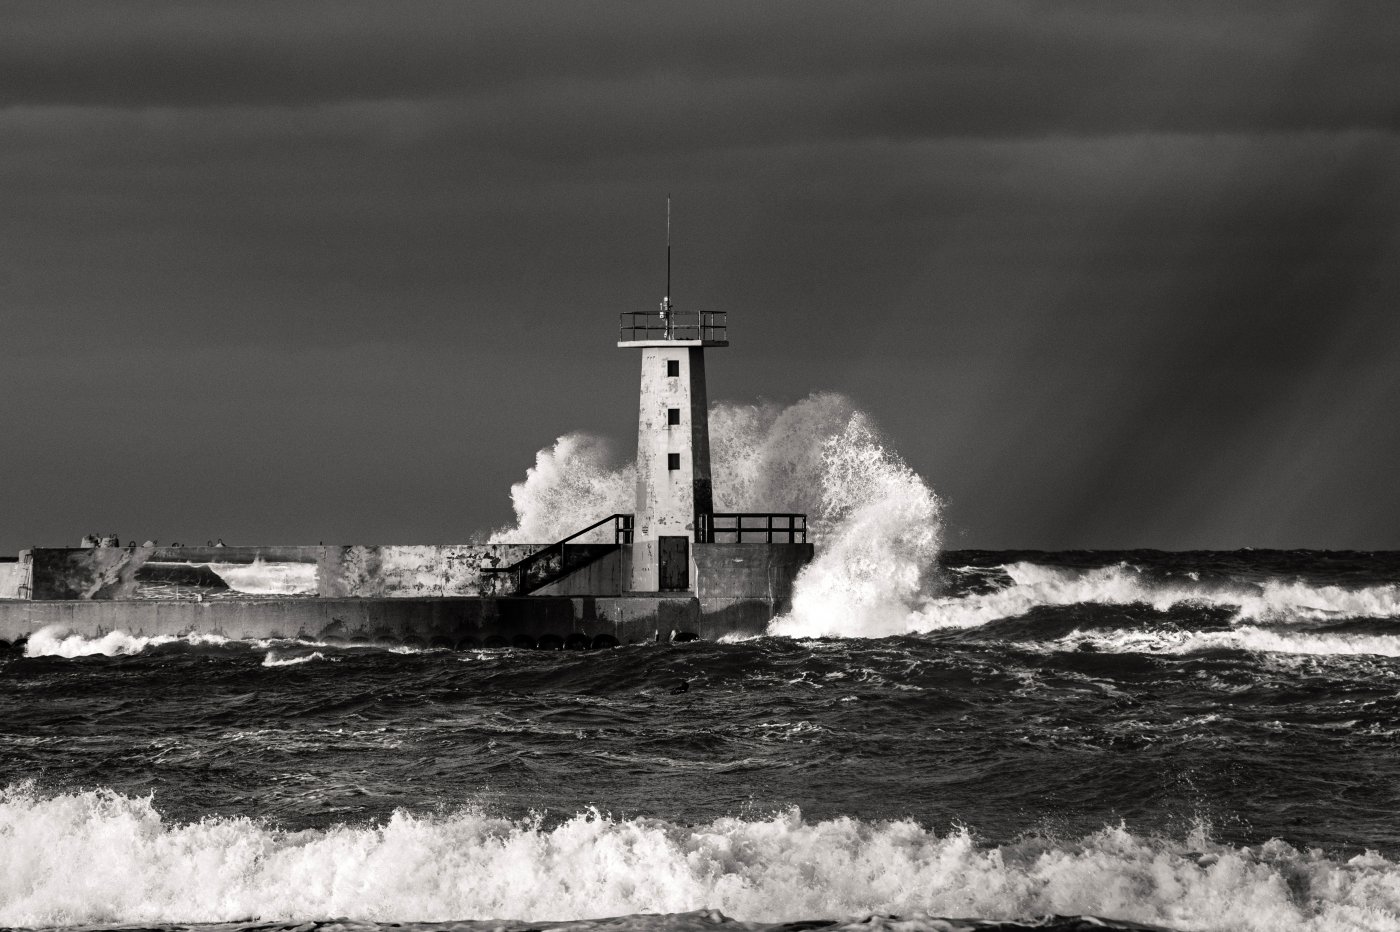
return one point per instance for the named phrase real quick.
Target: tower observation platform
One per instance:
(673, 328)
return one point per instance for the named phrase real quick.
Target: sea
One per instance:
(932, 739)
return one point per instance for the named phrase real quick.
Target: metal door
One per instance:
(675, 563)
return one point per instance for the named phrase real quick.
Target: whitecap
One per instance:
(102, 857)
(57, 641)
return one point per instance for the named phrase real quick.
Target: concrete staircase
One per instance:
(558, 560)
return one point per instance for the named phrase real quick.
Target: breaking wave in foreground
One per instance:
(101, 857)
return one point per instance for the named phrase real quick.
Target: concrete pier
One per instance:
(739, 588)
(537, 622)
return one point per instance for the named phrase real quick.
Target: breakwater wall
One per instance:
(195, 573)
(541, 622)
(394, 595)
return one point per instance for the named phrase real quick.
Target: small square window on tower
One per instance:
(673, 461)
(673, 417)
(673, 368)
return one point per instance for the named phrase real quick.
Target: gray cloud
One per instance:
(799, 68)
(1106, 271)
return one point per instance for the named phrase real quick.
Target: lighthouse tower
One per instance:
(674, 502)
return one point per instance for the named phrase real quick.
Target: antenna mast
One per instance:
(666, 301)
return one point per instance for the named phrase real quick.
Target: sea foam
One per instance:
(101, 857)
(1253, 607)
(1244, 637)
(274, 660)
(57, 641)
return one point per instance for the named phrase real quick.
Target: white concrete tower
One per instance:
(674, 501)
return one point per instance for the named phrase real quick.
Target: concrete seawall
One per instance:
(394, 595)
(380, 571)
(719, 570)
(529, 621)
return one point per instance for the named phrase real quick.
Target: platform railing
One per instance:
(639, 326)
(779, 527)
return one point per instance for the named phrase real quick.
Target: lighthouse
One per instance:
(675, 504)
(674, 501)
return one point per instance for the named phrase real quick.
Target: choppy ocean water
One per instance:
(1192, 741)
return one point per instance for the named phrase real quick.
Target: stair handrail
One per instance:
(622, 521)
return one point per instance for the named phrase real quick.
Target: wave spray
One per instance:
(876, 523)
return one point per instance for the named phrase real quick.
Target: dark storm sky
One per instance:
(1109, 274)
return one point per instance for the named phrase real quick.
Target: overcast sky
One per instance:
(1109, 274)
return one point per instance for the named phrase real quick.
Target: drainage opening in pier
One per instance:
(551, 642)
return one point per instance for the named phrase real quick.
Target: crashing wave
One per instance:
(263, 578)
(878, 529)
(876, 523)
(101, 857)
(573, 483)
(274, 660)
(882, 533)
(56, 641)
(1271, 602)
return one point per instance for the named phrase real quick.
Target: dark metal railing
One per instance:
(753, 527)
(548, 562)
(708, 326)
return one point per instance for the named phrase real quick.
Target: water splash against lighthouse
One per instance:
(881, 535)
(572, 484)
(876, 523)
